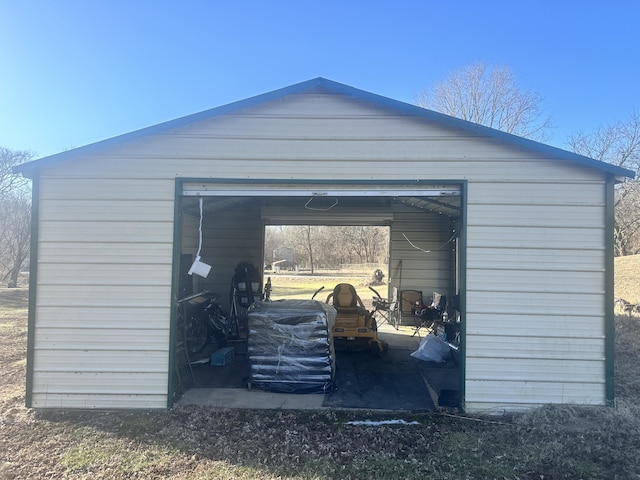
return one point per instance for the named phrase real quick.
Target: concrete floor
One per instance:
(396, 382)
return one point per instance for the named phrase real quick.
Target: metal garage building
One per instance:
(528, 228)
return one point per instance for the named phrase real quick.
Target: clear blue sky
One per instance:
(76, 72)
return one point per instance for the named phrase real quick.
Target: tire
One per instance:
(374, 349)
(219, 327)
(197, 335)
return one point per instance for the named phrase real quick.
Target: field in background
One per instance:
(302, 285)
(627, 278)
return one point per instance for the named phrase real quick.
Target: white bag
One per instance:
(432, 349)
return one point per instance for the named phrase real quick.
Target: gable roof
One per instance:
(324, 85)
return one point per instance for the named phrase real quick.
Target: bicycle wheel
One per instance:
(197, 334)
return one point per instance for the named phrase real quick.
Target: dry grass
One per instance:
(627, 273)
(305, 286)
(552, 442)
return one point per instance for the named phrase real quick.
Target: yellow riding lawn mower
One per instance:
(355, 327)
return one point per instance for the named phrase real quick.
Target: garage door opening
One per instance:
(421, 237)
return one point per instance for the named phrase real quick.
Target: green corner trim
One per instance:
(33, 282)
(463, 291)
(175, 281)
(609, 319)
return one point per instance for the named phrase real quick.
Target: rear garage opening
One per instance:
(223, 222)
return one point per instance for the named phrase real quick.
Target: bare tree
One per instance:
(302, 238)
(15, 234)
(626, 230)
(309, 246)
(273, 239)
(331, 246)
(9, 181)
(366, 243)
(488, 95)
(619, 144)
(15, 216)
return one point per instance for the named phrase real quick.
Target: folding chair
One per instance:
(431, 314)
(385, 308)
(409, 300)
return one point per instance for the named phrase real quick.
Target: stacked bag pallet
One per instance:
(290, 346)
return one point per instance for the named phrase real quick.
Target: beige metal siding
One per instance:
(344, 139)
(535, 253)
(535, 294)
(103, 296)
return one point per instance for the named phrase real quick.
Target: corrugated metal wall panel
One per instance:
(103, 360)
(124, 186)
(102, 274)
(134, 252)
(546, 259)
(103, 337)
(97, 383)
(532, 237)
(542, 370)
(540, 347)
(116, 316)
(367, 125)
(322, 161)
(91, 401)
(229, 237)
(314, 104)
(538, 281)
(355, 169)
(426, 265)
(105, 211)
(564, 323)
(115, 232)
(518, 215)
(190, 235)
(542, 303)
(286, 147)
(577, 191)
(107, 296)
(504, 395)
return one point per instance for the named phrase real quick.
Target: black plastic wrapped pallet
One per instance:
(265, 348)
(304, 362)
(290, 346)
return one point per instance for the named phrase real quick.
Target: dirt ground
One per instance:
(553, 442)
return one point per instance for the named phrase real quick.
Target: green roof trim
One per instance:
(324, 85)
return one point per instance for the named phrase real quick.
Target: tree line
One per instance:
(322, 246)
(15, 216)
(481, 93)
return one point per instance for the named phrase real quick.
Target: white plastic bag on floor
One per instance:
(432, 349)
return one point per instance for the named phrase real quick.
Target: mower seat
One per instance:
(355, 328)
